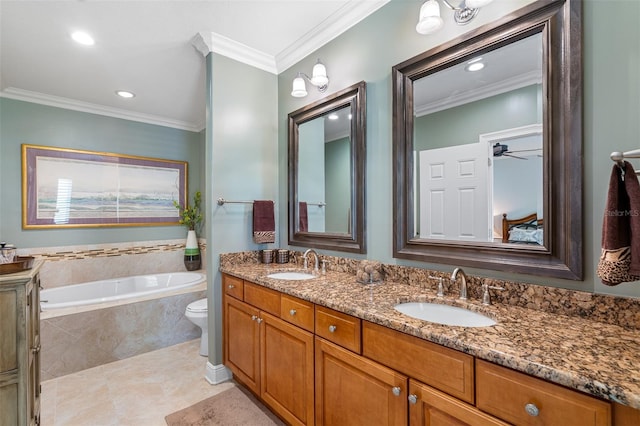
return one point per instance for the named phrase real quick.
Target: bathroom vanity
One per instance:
(20, 347)
(329, 350)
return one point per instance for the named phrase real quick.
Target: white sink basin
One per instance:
(444, 314)
(291, 275)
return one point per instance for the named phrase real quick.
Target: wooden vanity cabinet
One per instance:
(20, 348)
(367, 374)
(267, 354)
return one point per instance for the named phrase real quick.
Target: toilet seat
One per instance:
(199, 306)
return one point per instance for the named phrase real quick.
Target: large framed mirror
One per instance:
(488, 163)
(326, 172)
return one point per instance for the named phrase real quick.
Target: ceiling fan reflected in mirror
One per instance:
(502, 150)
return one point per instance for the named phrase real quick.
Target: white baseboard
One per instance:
(217, 374)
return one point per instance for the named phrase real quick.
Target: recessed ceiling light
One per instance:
(333, 116)
(476, 66)
(125, 94)
(83, 38)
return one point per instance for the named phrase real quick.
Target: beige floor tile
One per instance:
(138, 391)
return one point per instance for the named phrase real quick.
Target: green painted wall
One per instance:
(611, 96)
(337, 178)
(241, 157)
(29, 123)
(504, 111)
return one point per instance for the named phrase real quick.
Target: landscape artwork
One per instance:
(72, 188)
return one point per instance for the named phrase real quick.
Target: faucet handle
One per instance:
(486, 296)
(440, 292)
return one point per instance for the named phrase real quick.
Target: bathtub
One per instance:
(117, 289)
(90, 324)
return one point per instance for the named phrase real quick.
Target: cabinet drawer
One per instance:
(446, 369)
(262, 298)
(297, 311)
(338, 328)
(232, 286)
(525, 400)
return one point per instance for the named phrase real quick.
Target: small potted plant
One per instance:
(191, 217)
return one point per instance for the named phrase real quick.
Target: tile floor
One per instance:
(139, 391)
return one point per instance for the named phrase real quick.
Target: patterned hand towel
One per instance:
(620, 256)
(264, 224)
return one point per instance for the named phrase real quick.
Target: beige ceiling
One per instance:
(147, 47)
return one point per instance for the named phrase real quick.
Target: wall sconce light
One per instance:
(318, 78)
(430, 20)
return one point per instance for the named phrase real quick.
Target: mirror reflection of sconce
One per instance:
(318, 78)
(430, 20)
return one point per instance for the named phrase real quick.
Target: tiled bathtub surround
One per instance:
(83, 340)
(77, 264)
(78, 338)
(567, 337)
(622, 311)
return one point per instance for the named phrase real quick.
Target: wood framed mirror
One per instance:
(327, 172)
(456, 136)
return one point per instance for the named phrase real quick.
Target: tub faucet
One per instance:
(463, 282)
(305, 257)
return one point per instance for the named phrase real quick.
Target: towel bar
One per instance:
(618, 157)
(222, 201)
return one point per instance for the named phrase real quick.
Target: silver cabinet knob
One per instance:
(396, 390)
(231, 286)
(532, 410)
(413, 399)
(259, 320)
(292, 312)
(332, 328)
(254, 317)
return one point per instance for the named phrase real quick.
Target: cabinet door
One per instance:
(430, 407)
(286, 370)
(352, 390)
(9, 374)
(241, 342)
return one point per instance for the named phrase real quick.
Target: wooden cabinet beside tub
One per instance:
(367, 374)
(20, 348)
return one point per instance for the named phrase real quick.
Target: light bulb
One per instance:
(319, 74)
(299, 88)
(430, 20)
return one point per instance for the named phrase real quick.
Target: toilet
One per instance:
(197, 313)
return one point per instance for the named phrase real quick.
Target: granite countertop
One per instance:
(594, 357)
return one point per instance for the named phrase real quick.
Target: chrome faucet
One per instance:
(463, 283)
(306, 263)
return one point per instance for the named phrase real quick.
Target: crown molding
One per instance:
(206, 42)
(483, 92)
(340, 21)
(72, 104)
